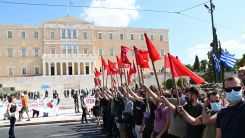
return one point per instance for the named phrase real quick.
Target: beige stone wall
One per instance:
(92, 43)
(16, 44)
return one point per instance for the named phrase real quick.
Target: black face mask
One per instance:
(174, 95)
(187, 100)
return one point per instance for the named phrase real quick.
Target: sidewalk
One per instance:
(63, 116)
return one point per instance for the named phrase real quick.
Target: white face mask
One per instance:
(234, 96)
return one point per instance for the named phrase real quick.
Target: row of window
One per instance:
(22, 35)
(66, 49)
(132, 36)
(23, 52)
(72, 34)
(112, 53)
(23, 71)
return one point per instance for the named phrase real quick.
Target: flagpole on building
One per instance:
(172, 72)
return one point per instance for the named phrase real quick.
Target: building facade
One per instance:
(69, 46)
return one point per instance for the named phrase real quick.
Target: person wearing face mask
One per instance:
(194, 108)
(231, 120)
(212, 105)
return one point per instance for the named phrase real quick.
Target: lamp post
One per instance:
(214, 44)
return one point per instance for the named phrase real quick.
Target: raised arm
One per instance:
(193, 121)
(136, 97)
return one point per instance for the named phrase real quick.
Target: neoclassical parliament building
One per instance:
(68, 46)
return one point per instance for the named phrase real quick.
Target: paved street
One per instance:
(66, 130)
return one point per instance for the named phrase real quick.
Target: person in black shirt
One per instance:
(75, 97)
(194, 108)
(230, 121)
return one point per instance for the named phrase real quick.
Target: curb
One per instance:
(50, 122)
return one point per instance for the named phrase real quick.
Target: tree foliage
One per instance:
(196, 65)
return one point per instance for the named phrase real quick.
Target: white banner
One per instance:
(89, 101)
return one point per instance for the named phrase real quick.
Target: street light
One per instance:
(214, 44)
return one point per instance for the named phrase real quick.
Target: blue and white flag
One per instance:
(228, 59)
(217, 63)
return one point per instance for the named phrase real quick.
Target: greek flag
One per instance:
(217, 63)
(228, 59)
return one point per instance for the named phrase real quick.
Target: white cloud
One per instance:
(234, 46)
(111, 17)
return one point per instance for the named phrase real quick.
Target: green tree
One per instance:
(179, 81)
(196, 65)
(169, 83)
(189, 66)
(240, 62)
(203, 65)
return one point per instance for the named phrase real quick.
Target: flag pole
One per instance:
(125, 76)
(165, 72)
(106, 79)
(172, 72)
(137, 64)
(142, 75)
(103, 78)
(158, 84)
(117, 80)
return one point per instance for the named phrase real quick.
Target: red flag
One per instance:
(104, 65)
(129, 77)
(178, 70)
(124, 58)
(166, 60)
(97, 81)
(154, 55)
(119, 61)
(142, 58)
(112, 66)
(132, 70)
(97, 73)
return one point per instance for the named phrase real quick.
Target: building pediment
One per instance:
(67, 19)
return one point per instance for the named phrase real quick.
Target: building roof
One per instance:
(67, 19)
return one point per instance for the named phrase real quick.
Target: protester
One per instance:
(192, 107)
(231, 120)
(96, 109)
(84, 109)
(47, 104)
(12, 113)
(24, 108)
(75, 97)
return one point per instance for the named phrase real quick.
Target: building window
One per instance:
(142, 37)
(131, 36)
(63, 49)
(100, 35)
(24, 71)
(100, 52)
(23, 52)
(36, 35)
(10, 52)
(75, 49)
(36, 52)
(110, 36)
(52, 35)
(162, 52)
(121, 36)
(75, 34)
(69, 49)
(111, 52)
(63, 34)
(23, 35)
(161, 37)
(152, 37)
(69, 33)
(85, 35)
(10, 34)
(37, 71)
(52, 50)
(10, 71)
(85, 51)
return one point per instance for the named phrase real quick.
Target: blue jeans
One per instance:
(11, 129)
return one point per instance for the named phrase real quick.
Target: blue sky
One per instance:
(187, 36)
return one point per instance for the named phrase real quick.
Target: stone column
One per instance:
(78, 68)
(55, 68)
(44, 68)
(67, 71)
(49, 68)
(61, 68)
(84, 68)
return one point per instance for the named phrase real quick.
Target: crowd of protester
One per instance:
(149, 112)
